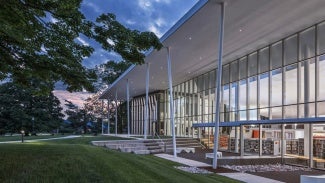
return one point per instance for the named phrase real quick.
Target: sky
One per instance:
(157, 16)
(144, 15)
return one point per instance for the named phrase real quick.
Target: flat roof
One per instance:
(193, 40)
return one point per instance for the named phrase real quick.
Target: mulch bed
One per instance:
(288, 176)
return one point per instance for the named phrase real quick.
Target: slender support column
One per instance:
(283, 143)
(116, 113)
(102, 117)
(128, 104)
(311, 155)
(236, 139)
(242, 140)
(171, 100)
(260, 140)
(218, 85)
(108, 116)
(146, 107)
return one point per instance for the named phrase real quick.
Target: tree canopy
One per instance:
(38, 47)
(19, 107)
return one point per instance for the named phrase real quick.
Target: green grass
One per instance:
(18, 137)
(73, 160)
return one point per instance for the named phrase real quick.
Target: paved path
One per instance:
(184, 161)
(35, 140)
(245, 177)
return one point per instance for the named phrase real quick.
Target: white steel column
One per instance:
(171, 100)
(146, 109)
(242, 141)
(283, 143)
(128, 104)
(260, 151)
(218, 85)
(102, 117)
(116, 113)
(108, 115)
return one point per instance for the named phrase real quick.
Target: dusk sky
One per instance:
(157, 16)
(144, 15)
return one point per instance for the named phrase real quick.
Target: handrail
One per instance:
(164, 144)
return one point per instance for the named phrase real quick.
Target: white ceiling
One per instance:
(249, 25)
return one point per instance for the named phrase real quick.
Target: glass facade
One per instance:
(283, 80)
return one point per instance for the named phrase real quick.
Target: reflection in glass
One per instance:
(242, 94)
(252, 64)
(321, 38)
(276, 55)
(276, 90)
(321, 79)
(243, 68)
(252, 92)
(307, 44)
(263, 60)
(264, 90)
(290, 50)
(290, 111)
(291, 85)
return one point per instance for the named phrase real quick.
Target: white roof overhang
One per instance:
(193, 40)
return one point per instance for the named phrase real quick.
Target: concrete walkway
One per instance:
(244, 177)
(184, 161)
(249, 178)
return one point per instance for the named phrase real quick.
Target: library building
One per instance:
(272, 86)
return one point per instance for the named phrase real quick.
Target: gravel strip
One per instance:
(192, 169)
(265, 168)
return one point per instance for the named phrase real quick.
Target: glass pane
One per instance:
(290, 111)
(321, 80)
(252, 64)
(263, 60)
(291, 85)
(290, 50)
(206, 81)
(321, 109)
(276, 98)
(200, 83)
(225, 74)
(253, 114)
(242, 94)
(242, 115)
(321, 38)
(307, 44)
(307, 81)
(264, 114)
(252, 92)
(276, 55)
(307, 110)
(243, 68)
(195, 85)
(213, 79)
(233, 96)
(276, 113)
(234, 71)
(264, 90)
(225, 99)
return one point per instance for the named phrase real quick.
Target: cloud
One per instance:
(77, 98)
(144, 4)
(154, 29)
(82, 41)
(96, 8)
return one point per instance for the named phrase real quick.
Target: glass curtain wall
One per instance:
(280, 81)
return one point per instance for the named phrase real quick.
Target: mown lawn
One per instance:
(74, 160)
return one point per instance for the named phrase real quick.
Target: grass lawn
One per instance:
(74, 160)
(18, 137)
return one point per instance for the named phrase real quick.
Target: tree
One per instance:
(18, 108)
(37, 43)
